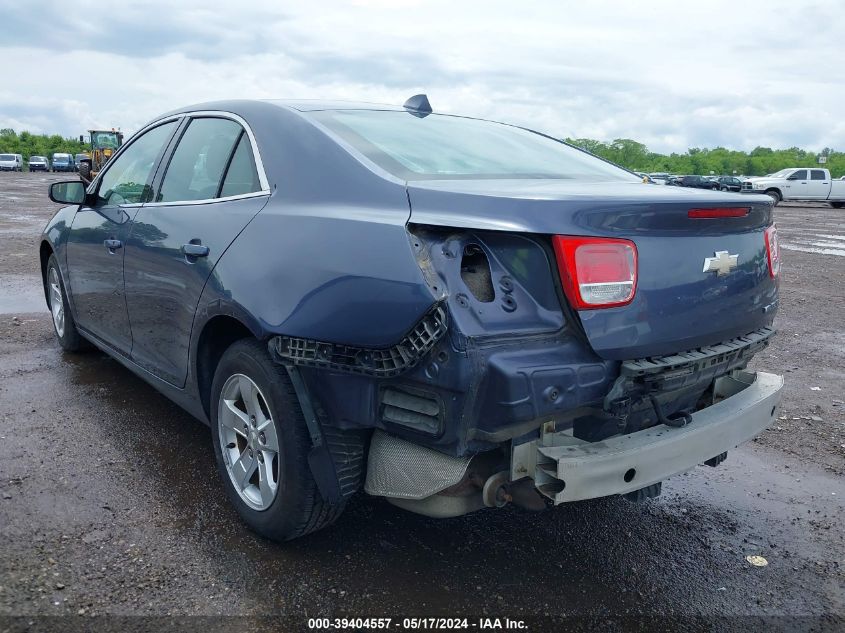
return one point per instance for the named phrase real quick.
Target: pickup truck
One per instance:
(447, 312)
(799, 183)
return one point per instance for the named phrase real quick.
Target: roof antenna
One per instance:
(418, 105)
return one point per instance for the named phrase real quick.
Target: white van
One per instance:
(11, 162)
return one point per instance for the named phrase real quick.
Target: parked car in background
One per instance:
(39, 163)
(420, 304)
(11, 162)
(63, 162)
(78, 158)
(799, 183)
(697, 182)
(729, 183)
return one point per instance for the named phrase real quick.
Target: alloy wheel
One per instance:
(57, 305)
(248, 441)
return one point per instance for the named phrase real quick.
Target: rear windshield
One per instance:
(7, 157)
(452, 147)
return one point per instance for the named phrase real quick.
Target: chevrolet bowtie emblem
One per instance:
(721, 264)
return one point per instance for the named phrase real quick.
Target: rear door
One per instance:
(97, 237)
(797, 185)
(208, 193)
(818, 187)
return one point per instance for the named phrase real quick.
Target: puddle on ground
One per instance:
(21, 294)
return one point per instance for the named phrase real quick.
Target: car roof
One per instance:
(247, 106)
(312, 105)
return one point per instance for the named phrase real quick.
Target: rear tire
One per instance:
(64, 326)
(293, 507)
(837, 205)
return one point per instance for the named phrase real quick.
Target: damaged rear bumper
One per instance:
(564, 468)
(567, 469)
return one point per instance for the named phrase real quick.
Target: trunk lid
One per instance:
(677, 305)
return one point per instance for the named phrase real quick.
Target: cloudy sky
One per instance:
(671, 74)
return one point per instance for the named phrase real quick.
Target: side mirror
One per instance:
(67, 192)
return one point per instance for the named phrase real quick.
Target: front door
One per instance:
(207, 195)
(97, 237)
(796, 185)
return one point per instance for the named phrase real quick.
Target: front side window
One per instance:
(817, 174)
(127, 180)
(801, 174)
(450, 147)
(196, 170)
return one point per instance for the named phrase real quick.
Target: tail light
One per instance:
(596, 272)
(773, 251)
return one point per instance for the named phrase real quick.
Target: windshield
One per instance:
(37, 159)
(451, 147)
(7, 157)
(61, 158)
(782, 173)
(104, 140)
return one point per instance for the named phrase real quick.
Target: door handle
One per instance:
(195, 250)
(113, 245)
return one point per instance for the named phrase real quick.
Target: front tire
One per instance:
(775, 196)
(837, 205)
(64, 326)
(85, 172)
(261, 445)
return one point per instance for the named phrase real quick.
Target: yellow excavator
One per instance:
(104, 144)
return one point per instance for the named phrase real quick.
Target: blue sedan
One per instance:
(448, 312)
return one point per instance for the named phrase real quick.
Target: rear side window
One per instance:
(241, 177)
(197, 167)
(817, 174)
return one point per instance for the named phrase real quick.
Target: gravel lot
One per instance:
(110, 504)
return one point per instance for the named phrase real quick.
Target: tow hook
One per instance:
(499, 490)
(679, 419)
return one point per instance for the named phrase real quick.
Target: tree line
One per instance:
(28, 144)
(622, 151)
(719, 160)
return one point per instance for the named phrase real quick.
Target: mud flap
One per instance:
(320, 459)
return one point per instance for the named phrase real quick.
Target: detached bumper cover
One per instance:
(570, 470)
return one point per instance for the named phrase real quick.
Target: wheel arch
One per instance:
(771, 190)
(217, 335)
(45, 250)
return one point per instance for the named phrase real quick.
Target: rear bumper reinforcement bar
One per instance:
(568, 469)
